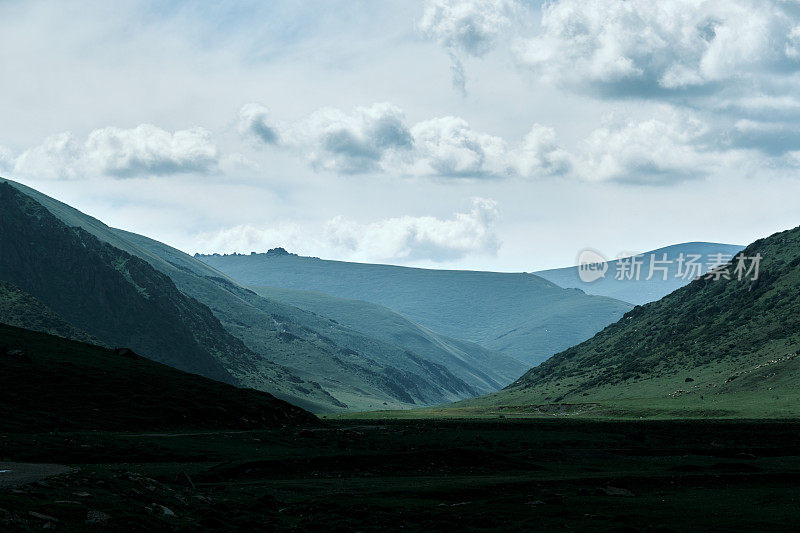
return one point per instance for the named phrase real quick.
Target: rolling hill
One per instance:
(713, 348)
(52, 383)
(521, 315)
(642, 290)
(321, 365)
(486, 370)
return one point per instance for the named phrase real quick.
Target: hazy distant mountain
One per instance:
(670, 262)
(330, 366)
(522, 315)
(713, 348)
(484, 369)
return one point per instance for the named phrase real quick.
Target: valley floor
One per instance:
(494, 475)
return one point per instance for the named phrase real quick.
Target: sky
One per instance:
(502, 135)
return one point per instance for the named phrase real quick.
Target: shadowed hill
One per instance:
(52, 383)
(18, 308)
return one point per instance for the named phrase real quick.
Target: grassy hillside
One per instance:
(485, 370)
(641, 291)
(18, 308)
(330, 367)
(52, 383)
(712, 348)
(521, 315)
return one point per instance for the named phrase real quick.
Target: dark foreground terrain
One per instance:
(414, 475)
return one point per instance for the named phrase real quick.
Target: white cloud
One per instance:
(377, 139)
(449, 147)
(145, 150)
(667, 148)
(640, 46)
(465, 27)
(246, 238)
(405, 238)
(419, 238)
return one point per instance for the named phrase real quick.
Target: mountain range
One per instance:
(521, 315)
(124, 289)
(633, 281)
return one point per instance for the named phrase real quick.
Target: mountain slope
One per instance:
(18, 308)
(52, 383)
(722, 346)
(641, 291)
(332, 367)
(108, 293)
(521, 315)
(486, 370)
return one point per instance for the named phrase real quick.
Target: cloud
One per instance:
(640, 47)
(254, 121)
(419, 238)
(667, 148)
(771, 138)
(449, 147)
(404, 238)
(246, 238)
(351, 143)
(377, 139)
(145, 150)
(465, 28)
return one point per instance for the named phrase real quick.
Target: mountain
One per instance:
(18, 308)
(639, 290)
(53, 383)
(294, 354)
(106, 292)
(521, 315)
(724, 347)
(486, 370)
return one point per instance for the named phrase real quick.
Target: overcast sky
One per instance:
(487, 134)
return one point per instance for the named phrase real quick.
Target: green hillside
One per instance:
(330, 367)
(521, 315)
(642, 290)
(52, 383)
(713, 348)
(485, 370)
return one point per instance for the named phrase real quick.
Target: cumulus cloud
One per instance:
(639, 46)
(377, 139)
(246, 238)
(465, 28)
(352, 143)
(667, 148)
(145, 150)
(449, 147)
(417, 238)
(393, 239)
